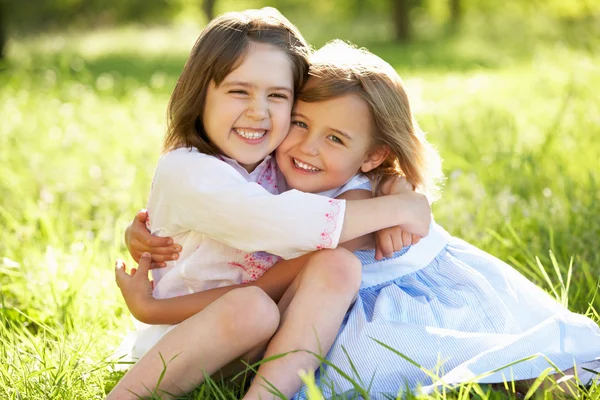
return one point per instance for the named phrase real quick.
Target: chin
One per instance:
(307, 187)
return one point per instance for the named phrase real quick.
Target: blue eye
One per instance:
(300, 124)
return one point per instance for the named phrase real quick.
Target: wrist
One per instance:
(147, 311)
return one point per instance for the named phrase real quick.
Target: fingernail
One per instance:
(177, 248)
(145, 254)
(174, 256)
(170, 241)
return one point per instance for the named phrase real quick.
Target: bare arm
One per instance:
(365, 241)
(409, 210)
(137, 291)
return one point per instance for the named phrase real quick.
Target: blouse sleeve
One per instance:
(192, 191)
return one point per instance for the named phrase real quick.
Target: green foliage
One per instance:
(514, 114)
(36, 15)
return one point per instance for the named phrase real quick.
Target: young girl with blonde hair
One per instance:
(440, 301)
(215, 193)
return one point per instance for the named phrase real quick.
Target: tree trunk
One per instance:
(455, 13)
(3, 31)
(208, 6)
(401, 15)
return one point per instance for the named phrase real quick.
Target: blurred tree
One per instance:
(38, 15)
(208, 6)
(2, 30)
(455, 13)
(401, 18)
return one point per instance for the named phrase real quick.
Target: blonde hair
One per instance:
(339, 69)
(220, 49)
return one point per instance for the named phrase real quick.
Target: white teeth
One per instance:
(305, 166)
(250, 134)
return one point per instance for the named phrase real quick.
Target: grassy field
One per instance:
(515, 114)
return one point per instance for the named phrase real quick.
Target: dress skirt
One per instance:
(458, 313)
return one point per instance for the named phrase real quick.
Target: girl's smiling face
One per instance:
(248, 114)
(328, 143)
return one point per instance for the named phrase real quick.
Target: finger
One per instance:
(144, 264)
(138, 246)
(386, 245)
(396, 239)
(142, 215)
(415, 239)
(120, 273)
(388, 250)
(154, 265)
(406, 238)
(157, 241)
(378, 254)
(164, 258)
(133, 271)
(164, 251)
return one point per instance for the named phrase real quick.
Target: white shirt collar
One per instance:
(250, 176)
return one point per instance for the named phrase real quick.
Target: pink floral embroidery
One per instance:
(330, 218)
(268, 177)
(255, 264)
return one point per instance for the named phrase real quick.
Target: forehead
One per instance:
(349, 112)
(263, 63)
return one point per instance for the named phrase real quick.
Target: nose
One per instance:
(258, 110)
(309, 145)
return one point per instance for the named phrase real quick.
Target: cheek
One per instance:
(282, 112)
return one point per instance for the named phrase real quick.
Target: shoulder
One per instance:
(188, 161)
(358, 182)
(186, 156)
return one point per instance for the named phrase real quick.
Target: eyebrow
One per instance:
(344, 134)
(341, 133)
(248, 85)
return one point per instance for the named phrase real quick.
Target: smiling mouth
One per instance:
(250, 134)
(304, 166)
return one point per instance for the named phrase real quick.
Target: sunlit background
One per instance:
(507, 91)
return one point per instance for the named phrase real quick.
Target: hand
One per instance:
(139, 240)
(390, 240)
(396, 185)
(415, 213)
(136, 287)
(395, 238)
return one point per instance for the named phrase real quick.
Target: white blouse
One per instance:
(227, 221)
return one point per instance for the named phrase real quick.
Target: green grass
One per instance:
(515, 116)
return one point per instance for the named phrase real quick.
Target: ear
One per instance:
(375, 158)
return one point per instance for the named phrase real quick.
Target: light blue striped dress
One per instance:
(456, 311)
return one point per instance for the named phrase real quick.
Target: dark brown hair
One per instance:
(338, 69)
(220, 49)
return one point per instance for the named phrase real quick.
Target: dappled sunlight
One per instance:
(513, 109)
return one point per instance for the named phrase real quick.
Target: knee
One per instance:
(249, 312)
(336, 269)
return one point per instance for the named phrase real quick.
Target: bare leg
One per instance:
(322, 295)
(225, 330)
